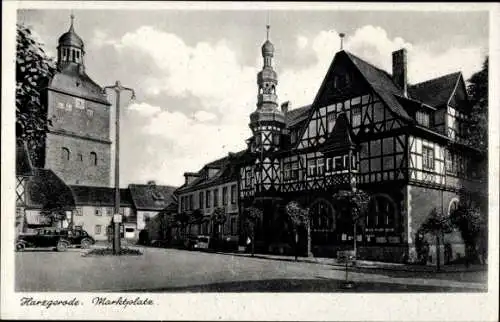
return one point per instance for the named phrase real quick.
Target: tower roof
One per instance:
(70, 38)
(267, 47)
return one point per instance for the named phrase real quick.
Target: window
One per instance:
(248, 177)
(78, 211)
(216, 197)
(428, 157)
(381, 212)
(69, 107)
(191, 203)
(356, 116)
(295, 170)
(97, 229)
(354, 161)
(287, 171)
(331, 119)
(200, 200)
(90, 112)
(79, 157)
(233, 194)
(453, 206)
(60, 105)
(79, 103)
(98, 212)
(449, 162)
(208, 197)
(224, 196)
(422, 118)
(321, 166)
(311, 168)
(109, 211)
(93, 158)
(276, 139)
(338, 163)
(65, 154)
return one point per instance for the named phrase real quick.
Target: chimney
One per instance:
(399, 70)
(285, 107)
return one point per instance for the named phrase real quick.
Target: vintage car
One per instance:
(60, 239)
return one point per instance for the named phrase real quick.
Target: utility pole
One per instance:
(117, 218)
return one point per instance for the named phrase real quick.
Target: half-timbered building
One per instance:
(366, 129)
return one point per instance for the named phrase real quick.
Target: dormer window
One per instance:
(422, 118)
(157, 195)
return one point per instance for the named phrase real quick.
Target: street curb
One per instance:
(365, 265)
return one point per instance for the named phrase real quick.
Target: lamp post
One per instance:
(118, 88)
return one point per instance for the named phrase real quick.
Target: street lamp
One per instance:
(117, 219)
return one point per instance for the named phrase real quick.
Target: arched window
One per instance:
(322, 216)
(93, 158)
(65, 154)
(381, 212)
(453, 205)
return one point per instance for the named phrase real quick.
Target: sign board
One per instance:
(117, 218)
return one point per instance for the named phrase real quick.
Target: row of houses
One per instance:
(40, 193)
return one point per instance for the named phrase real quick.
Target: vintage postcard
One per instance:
(250, 161)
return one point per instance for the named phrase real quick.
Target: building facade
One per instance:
(214, 187)
(78, 116)
(94, 209)
(368, 130)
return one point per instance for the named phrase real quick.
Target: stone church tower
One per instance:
(78, 145)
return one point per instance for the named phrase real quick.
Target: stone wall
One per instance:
(76, 171)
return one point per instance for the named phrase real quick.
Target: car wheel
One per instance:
(20, 247)
(85, 243)
(62, 246)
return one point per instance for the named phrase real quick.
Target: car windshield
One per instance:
(203, 239)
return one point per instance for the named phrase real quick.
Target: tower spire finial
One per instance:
(72, 17)
(341, 35)
(267, 31)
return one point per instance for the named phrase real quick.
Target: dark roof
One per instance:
(295, 116)
(151, 196)
(23, 162)
(45, 190)
(382, 84)
(226, 172)
(100, 196)
(341, 137)
(435, 92)
(70, 38)
(73, 80)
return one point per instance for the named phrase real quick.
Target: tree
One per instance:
(33, 71)
(252, 216)
(218, 218)
(437, 225)
(299, 217)
(478, 93)
(472, 225)
(356, 201)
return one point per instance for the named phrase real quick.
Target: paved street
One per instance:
(170, 270)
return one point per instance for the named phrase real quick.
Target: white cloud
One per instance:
(144, 108)
(302, 41)
(204, 116)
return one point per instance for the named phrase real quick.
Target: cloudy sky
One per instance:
(194, 71)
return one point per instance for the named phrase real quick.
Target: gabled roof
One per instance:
(381, 82)
(151, 196)
(45, 190)
(23, 162)
(437, 91)
(100, 196)
(341, 136)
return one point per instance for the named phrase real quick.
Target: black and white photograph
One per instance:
(158, 153)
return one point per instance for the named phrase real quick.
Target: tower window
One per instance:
(79, 157)
(93, 158)
(65, 154)
(90, 112)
